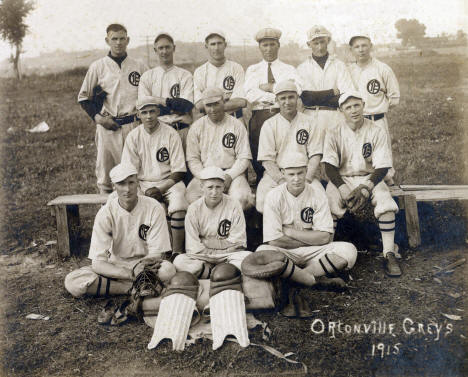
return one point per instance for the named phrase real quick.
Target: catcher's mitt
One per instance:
(358, 198)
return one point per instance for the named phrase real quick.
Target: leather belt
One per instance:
(124, 120)
(320, 108)
(375, 116)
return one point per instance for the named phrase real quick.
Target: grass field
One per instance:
(429, 131)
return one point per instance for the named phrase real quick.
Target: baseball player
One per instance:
(219, 139)
(172, 86)
(221, 73)
(377, 84)
(155, 149)
(128, 229)
(259, 81)
(323, 78)
(118, 76)
(297, 222)
(214, 226)
(357, 158)
(286, 133)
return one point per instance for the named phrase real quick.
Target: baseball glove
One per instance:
(98, 97)
(358, 198)
(155, 193)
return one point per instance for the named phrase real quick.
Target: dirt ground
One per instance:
(426, 313)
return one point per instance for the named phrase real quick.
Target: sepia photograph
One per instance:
(233, 188)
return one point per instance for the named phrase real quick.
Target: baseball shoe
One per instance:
(106, 314)
(391, 266)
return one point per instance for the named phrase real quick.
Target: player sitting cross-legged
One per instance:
(357, 158)
(215, 228)
(155, 149)
(129, 231)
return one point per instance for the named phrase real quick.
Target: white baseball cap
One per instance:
(346, 95)
(294, 160)
(363, 35)
(145, 101)
(212, 172)
(317, 31)
(212, 94)
(285, 86)
(121, 171)
(219, 33)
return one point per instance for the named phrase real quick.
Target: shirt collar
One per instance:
(118, 59)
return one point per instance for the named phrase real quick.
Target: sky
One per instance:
(75, 25)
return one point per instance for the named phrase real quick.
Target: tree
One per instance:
(410, 31)
(12, 27)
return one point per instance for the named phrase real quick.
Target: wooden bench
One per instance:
(66, 211)
(409, 195)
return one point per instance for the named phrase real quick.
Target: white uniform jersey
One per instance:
(280, 138)
(120, 236)
(308, 211)
(218, 144)
(120, 84)
(155, 155)
(357, 152)
(229, 77)
(258, 74)
(335, 74)
(377, 84)
(175, 82)
(225, 222)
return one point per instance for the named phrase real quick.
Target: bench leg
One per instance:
(68, 222)
(412, 221)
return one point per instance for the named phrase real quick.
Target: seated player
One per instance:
(297, 222)
(215, 228)
(357, 158)
(128, 230)
(155, 149)
(218, 139)
(284, 134)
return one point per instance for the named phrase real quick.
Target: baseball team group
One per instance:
(185, 157)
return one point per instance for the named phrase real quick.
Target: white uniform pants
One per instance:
(174, 197)
(193, 263)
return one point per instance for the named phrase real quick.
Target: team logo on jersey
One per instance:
(224, 227)
(229, 82)
(162, 154)
(307, 215)
(134, 78)
(175, 91)
(302, 136)
(373, 86)
(366, 150)
(143, 231)
(229, 140)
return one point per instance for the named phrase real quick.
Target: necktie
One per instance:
(271, 78)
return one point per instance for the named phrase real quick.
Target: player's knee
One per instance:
(78, 281)
(347, 251)
(166, 271)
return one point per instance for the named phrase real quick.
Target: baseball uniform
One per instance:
(122, 238)
(174, 82)
(224, 222)
(156, 156)
(120, 83)
(307, 211)
(380, 90)
(280, 138)
(357, 154)
(224, 145)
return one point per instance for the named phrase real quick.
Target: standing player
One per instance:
(356, 159)
(219, 139)
(259, 81)
(172, 86)
(323, 78)
(128, 229)
(220, 73)
(377, 84)
(118, 76)
(215, 228)
(286, 133)
(155, 149)
(297, 222)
